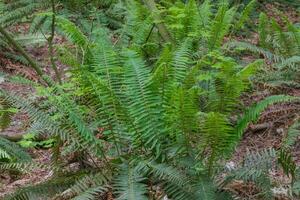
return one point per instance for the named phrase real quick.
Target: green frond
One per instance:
(183, 20)
(6, 113)
(26, 166)
(80, 138)
(286, 161)
(20, 9)
(291, 62)
(182, 108)
(292, 135)
(4, 155)
(252, 114)
(181, 61)
(43, 190)
(129, 184)
(141, 101)
(138, 22)
(106, 62)
(245, 15)
(89, 186)
(91, 194)
(174, 182)
(217, 136)
(227, 84)
(72, 32)
(35, 114)
(162, 172)
(263, 30)
(37, 23)
(281, 39)
(255, 49)
(220, 26)
(13, 151)
(295, 33)
(30, 39)
(69, 57)
(250, 69)
(205, 12)
(255, 168)
(205, 189)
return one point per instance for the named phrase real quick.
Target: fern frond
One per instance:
(281, 39)
(292, 135)
(13, 150)
(175, 183)
(92, 193)
(255, 169)
(245, 15)
(220, 26)
(44, 190)
(142, 101)
(205, 12)
(89, 186)
(72, 32)
(161, 172)
(252, 114)
(19, 11)
(262, 30)
(128, 185)
(291, 62)
(218, 136)
(182, 60)
(252, 48)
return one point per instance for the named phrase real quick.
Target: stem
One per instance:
(50, 44)
(162, 29)
(30, 60)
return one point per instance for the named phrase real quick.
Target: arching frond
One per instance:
(252, 114)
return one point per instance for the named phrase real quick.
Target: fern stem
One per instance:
(50, 44)
(30, 60)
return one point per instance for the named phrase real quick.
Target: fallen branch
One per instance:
(263, 126)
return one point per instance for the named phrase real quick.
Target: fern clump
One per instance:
(279, 45)
(150, 112)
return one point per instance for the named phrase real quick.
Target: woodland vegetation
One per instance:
(134, 100)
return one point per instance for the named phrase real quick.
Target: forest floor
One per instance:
(268, 132)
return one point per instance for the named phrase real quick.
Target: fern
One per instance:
(255, 169)
(280, 47)
(150, 113)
